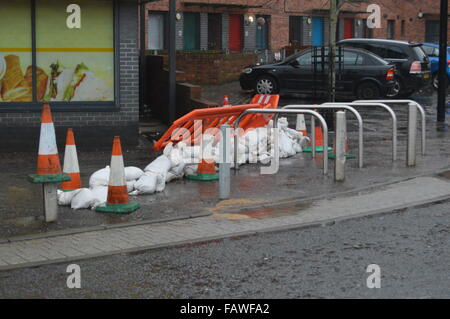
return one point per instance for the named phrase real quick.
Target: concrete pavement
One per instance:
(295, 214)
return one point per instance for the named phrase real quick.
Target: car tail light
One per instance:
(390, 74)
(448, 63)
(416, 67)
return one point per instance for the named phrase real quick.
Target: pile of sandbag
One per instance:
(181, 159)
(97, 192)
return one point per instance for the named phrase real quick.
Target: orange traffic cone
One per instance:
(206, 170)
(319, 141)
(48, 165)
(301, 125)
(71, 166)
(225, 100)
(117, 201)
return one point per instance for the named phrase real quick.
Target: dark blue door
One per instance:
(261, 33)
(317, 31)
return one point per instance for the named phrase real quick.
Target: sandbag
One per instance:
(130, 186)
(146, 184)
(175, 172)
(100, 194)
(190, 169)
(160, 182)
(160, 165)
(168, 149)
(83, 199)
(99, 178)
(65, 198)
(133, 173)
(176, 157)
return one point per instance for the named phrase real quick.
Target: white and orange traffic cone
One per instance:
(226, 101)
(48, 165)
(319, 141)
(206, 170)
(117, 201)
(71, 166)
(300, 125)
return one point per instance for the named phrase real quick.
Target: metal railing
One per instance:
(275, 126)
(390, 111)
(418, 106)
(345, 107)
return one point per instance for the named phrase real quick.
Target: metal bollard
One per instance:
(225, 162)
(49, 190)
(339, 142)
(412, 135)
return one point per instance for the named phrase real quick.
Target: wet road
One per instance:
(412, 248)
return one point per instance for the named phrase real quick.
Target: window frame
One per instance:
(64, 106)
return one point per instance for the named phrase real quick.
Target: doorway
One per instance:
(214, 31)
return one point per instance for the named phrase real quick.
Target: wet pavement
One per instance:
(299, 177)
(411, 247)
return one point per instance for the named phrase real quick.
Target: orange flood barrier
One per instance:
(190, 127)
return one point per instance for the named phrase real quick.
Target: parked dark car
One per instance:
(413, 65)
(432, 50)
(359, 74)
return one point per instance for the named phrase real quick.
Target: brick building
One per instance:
(80, 56)
(248, 25)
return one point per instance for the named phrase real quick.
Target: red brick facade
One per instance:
(407, 25)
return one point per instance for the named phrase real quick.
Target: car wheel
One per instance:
(394, 92)
(368, 91)
(266, 85)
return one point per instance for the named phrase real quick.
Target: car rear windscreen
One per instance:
(420, 54)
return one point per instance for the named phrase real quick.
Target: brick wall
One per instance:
(213, 68)
(20, 131)
(279, 12)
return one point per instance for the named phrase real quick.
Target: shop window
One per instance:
(73, 50)
(15, 51)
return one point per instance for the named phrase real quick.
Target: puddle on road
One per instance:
(263, 213)
(235, 203)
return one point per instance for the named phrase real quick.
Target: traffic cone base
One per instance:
(333, 156)
(319, 142)
(203, 177)
(319, 149)
(118, 208)
(206, 171)
(49, 178)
